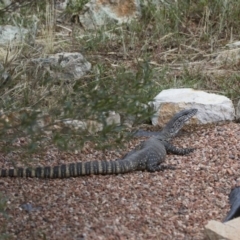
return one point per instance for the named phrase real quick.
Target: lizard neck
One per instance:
(175, 124)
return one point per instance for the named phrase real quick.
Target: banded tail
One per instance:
(71, 170)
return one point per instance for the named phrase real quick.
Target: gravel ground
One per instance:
(174, 204)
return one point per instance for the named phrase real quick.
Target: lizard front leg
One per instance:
(178, 151)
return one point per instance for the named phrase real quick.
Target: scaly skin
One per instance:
(150, 156)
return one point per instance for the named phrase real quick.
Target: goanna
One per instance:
(149, 155)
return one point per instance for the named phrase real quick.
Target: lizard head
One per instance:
(176, 123)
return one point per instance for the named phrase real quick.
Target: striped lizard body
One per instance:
(149, 156)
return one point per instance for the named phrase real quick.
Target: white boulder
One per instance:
(211, 107)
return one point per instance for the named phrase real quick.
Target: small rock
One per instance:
(113, 118)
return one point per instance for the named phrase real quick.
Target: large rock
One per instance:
(211, 107)
(215, 230)
(99, 12)
(63, 66)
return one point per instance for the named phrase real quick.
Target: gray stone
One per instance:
(64, 66)
(11, 34)
(211, 107)
(113, 118)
